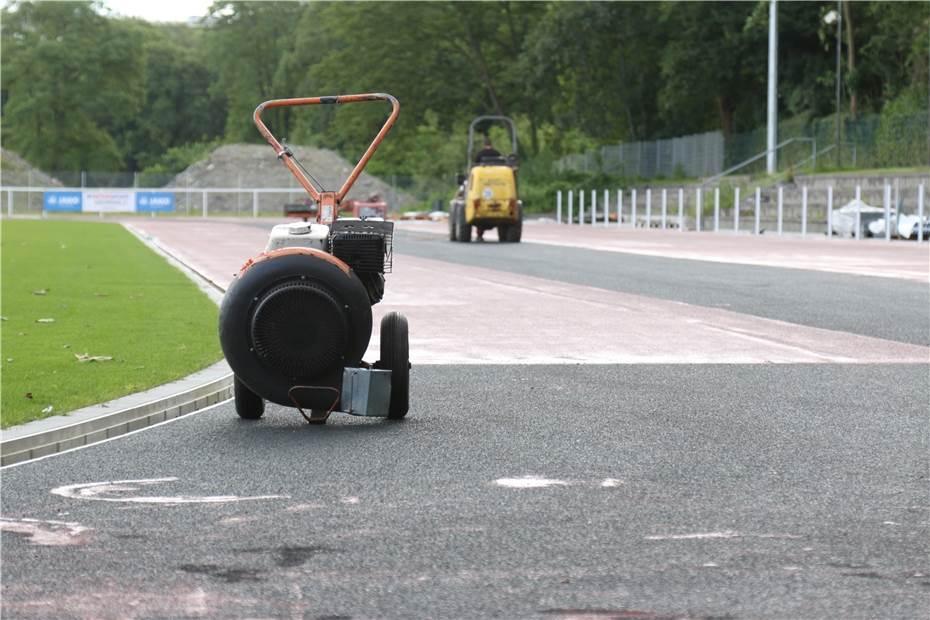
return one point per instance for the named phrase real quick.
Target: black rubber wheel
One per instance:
(503, 233)
(395, 356)
(464, 228)
(515, 231)
(249, 405)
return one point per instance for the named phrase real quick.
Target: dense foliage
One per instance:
(84, 90)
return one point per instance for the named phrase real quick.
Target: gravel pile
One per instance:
(16, 171)
(255, 166)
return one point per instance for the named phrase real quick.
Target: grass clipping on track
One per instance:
(90, 314)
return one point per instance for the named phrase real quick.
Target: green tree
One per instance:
(68, 74)
(179, 106)
(594, 68)
(713, 67)
(246, 42)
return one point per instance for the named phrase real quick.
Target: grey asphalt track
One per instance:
(812, 478)
(880, 307)
(555, 492)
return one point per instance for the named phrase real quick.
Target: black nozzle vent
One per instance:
(299, 329)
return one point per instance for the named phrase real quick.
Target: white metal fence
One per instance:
(196, 201)
(855, 213)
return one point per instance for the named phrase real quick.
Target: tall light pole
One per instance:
(771, 156)
(829, 18)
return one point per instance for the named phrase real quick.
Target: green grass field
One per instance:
(108, 295)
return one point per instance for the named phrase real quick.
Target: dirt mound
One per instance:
(255, 166)
(16, 171)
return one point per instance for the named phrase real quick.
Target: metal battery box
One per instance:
(366, 392)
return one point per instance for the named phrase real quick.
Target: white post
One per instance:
(698, 207)
(606, 208)
(758, 210)
(830, 212)
(571, 206)
(648, 207)
(619, 207)
(803, 210)
(736, 210)
(558, 207)
(633, 208)
(254, 204)
(204, 203)
(717, 209)
(593, 207)
(681, 208)
(9, 202)
(664, 206)
(781, 201)
(581, 207)
(858, 230)
(887, 201)
(920, 213)
(772, 126)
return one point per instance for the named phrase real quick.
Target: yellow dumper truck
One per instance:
(487, 195)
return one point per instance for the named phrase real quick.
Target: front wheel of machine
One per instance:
(464, 228)
(395, 356)
(503, 233)
(249, 405)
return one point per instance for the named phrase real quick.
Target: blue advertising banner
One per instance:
(154, 201)
(63, 201)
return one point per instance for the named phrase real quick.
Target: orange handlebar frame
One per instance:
(285, 155)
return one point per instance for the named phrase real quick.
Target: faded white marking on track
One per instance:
(528, 482)
(712, 535)
(611, 482)
(724, 534)
(98, 491)
(46, 533)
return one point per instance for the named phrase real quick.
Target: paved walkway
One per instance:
(468, 315)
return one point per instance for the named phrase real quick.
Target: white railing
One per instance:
(195, 201)
(787, 210)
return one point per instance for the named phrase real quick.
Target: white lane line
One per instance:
(46, 533)
(99, 490)
(704, 535)
(717, 535)
(529, 482)
(732, 331)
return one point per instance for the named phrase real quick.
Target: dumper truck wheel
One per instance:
(503, 233)
(395, 356)
(515, 231)
(463, 226)
(452, 212)
(249, 405)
